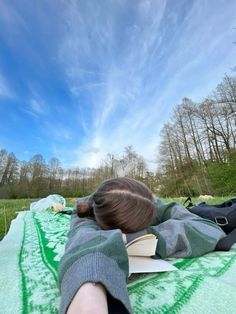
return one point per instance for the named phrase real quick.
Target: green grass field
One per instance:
(9, 208)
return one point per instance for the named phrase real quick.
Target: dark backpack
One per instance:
(224, 215)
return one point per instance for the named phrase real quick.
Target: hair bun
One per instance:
(84, 207)
(83, 210)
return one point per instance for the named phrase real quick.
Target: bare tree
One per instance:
(10, 170)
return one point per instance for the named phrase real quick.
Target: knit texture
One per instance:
(180, 234)
(35, 243)
(93, 255)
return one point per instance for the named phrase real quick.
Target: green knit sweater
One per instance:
(96, 255)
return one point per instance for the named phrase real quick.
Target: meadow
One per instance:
(10, 207)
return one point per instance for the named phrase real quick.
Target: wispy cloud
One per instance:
(115, 68)
(134, 72)
(5, 90)
(35, 107)
(109, 72)
(57, 131)
(9, 16)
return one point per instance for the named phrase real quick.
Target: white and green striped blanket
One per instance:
(29, 256)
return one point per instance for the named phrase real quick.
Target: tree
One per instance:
(54, 177)
(39, 173)
(9, 170)
(199, 138)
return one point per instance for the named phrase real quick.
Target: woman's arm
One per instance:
(93, 255)
(88, 299)
(181, 233)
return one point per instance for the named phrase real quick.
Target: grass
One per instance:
(9, 208)
(195, 200)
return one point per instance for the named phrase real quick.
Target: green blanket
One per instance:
(29, 256)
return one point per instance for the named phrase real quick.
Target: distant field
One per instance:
(9, 208)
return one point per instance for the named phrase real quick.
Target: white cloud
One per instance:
(57, 129)
(36, 108)
(133, 73)
(5, 90)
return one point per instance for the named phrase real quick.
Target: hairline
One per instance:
(119, 191)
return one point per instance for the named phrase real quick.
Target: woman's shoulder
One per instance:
(163, 209)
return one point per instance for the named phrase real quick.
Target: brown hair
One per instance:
(122, 203)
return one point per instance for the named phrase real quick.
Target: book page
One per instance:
(143, 237)
(143, 247)
(138, 264)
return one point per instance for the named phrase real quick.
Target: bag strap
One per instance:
(190, 204)
(226, 243)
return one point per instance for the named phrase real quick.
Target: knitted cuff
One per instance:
(95, 267)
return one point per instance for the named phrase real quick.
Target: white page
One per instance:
(143, 237)
(146, 247)
(138, 264)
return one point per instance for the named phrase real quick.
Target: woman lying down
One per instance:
(94, 268)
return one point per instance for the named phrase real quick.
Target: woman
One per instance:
(94, 268)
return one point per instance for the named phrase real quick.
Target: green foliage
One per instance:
(215, 178)
(223, 176)
(197, 151)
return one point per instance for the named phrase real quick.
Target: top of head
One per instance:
(123, 203)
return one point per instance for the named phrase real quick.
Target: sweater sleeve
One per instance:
(181, 233)
(94, 255)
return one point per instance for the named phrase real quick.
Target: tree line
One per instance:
(36, 178)
(197, 155)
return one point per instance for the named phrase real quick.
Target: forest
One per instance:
(196, 155)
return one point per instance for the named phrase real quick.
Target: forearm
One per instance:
(91, 298)
(94, 255)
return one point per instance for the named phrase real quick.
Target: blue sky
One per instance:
(79, 79)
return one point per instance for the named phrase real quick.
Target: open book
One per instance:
(140, 251)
